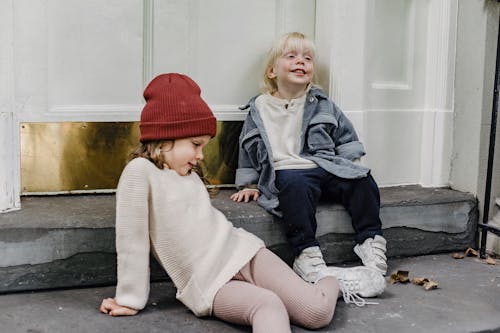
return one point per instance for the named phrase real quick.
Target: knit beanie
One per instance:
(174, 109)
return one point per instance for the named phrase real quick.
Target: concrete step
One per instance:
(68, 241)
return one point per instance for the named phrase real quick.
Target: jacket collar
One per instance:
(317, 92)
(314, 92)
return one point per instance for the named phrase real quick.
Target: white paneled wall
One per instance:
(221, 44)
(9, 154)
(386, 63)
(390, 68)
(94, 54)
(93, 58)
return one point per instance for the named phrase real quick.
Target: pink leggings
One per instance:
(268, 295)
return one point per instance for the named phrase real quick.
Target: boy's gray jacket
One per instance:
(328, 139)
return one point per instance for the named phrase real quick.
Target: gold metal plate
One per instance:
(74, 157)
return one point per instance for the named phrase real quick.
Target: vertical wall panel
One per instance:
(9, 162)
(395, 56)
(392, 140)
(392, 43)
(231, 69)
(30, 61)
(222, 44)
(389, 66)
(174, 22)
(9, 173)
(94, 52)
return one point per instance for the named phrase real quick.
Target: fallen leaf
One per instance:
(419, 281)
(425, 282)
(490, 261)
(457, 255)
(399, 276)
(470, 252)
(430, 285)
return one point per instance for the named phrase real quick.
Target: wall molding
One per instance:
(9, 172)
(121, 112)
(406, 84)
(147, 41)
(10, 185)
(438, 42)
(435, 153)
(280, 24)
(193, 19)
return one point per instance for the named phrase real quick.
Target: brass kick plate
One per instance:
(74, 157)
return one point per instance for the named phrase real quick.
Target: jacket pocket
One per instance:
(254, 146)
(192, 297)
(320, 133)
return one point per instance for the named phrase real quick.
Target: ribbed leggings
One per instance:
(268, 295)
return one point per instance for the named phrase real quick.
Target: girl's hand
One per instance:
(245, 195)
(109, 306)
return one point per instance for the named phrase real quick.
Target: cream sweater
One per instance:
(283, 123)
(194, 242)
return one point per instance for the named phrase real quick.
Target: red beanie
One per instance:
(174, 109)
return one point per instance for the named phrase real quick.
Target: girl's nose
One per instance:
(199, 155)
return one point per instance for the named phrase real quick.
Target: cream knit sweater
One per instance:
(194, 242)
(283, 123)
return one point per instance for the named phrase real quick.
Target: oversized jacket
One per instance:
(328, 139)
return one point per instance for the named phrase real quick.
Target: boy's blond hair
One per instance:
(291, 41)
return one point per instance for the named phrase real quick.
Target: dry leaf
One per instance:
(419, 281)
(490, 261)
(430, 285)
(399, 276)
(470, 252)
(425, 282)
(457, 255)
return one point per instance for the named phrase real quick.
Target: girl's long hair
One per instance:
(152, 151)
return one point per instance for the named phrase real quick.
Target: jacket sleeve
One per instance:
(132, 237)
(347, 144)
(247, 173)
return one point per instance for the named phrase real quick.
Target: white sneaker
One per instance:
(309, 263)
(356, 282)
(372, 253)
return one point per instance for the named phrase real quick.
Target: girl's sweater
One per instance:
(194, 242)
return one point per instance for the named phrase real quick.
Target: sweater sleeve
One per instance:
(132, 236)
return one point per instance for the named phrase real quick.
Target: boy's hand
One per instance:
(245, 195)
(109, 306)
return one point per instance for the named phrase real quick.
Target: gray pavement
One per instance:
(467, 300)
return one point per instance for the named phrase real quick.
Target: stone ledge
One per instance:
(67, 241)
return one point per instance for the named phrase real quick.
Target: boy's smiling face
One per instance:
(293, 69)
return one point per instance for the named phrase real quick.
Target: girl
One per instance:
(296, 146)
(163, 207)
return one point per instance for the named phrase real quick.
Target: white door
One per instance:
(387, 63)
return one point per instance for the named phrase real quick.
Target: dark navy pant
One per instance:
(300, 191)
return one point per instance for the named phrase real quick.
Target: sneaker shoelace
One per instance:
(350, 295)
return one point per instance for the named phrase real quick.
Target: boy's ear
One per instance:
(270, 72)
